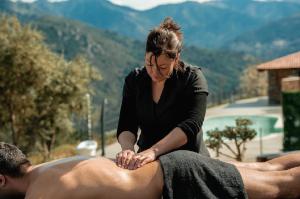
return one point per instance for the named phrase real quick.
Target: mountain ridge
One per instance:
(208, 25)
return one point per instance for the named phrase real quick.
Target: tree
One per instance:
(253, 82)
(240, 134)
(40, 90)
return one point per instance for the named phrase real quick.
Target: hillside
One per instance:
(273, 40)
(207, 25)
(104, 50)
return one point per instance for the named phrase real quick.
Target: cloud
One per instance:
(142, 4)
(146, 4)
(30, 1)
(135, 4)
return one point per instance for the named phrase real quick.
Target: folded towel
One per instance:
(189, 175)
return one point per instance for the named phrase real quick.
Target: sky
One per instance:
(135, 4)
(147, 4)
(140, 4)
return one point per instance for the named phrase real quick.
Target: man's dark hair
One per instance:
(11, 160)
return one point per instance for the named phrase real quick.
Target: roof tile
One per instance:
(285, 62)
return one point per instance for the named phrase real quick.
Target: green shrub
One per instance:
(291, 115)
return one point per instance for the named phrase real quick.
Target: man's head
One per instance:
(12, 161)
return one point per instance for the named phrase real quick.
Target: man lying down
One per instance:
(180, 174)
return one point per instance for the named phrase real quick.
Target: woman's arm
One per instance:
(127, 126)
(175, 139)
(186, 131)
(128, 115)
(127, 141)
(195, 105)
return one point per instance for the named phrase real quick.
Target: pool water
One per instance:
(263, 124)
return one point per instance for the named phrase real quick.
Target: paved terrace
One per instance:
(254, 106)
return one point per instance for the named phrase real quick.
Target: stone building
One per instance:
(278, 69)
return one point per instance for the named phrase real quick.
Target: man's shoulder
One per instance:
(65, 178)
(45, 186)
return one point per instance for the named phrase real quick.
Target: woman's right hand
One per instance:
(124, 157)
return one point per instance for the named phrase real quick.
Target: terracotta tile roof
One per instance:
(285, 62)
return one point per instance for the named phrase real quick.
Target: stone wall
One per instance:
(275, 83)
(275, 77)
(290, 84)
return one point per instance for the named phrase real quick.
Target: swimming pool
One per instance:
(265, 124)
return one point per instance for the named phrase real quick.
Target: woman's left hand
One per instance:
(142, 158)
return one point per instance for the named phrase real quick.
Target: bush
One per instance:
(291, 115)
(240, 134)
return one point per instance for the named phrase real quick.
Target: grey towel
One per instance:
(189, 175)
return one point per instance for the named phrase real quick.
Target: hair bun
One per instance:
(169, 24)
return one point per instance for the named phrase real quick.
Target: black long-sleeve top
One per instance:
(182, 104)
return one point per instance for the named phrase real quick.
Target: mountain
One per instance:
(270, 41)
(115, 55)
(222, 68)
(203, 25)
(265, 11)
(207, 25)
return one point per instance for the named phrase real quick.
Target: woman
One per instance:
(166, 99)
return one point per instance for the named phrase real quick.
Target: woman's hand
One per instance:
(142, 158)
(124, 157)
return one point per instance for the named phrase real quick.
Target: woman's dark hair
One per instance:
(165, 39)
(11, 160)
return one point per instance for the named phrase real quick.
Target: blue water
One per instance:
(263, 124)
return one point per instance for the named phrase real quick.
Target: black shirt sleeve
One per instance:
(128, 117)
(195, 100)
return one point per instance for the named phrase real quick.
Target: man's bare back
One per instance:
(92, 178)
(180, 174)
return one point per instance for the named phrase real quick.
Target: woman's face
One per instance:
(160, 68)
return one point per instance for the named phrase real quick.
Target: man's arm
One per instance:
(283, 162)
